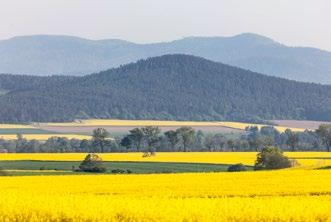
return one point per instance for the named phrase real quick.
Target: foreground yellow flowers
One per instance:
(285, 195)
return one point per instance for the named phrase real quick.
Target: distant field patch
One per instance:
(138, 123)
(28, 167)
(242, 126)
(16, 126)
(305, 124)
(43, 136)
(24, 131)
(160, 123)
(306, 159)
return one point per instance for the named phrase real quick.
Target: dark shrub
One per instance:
(237, 168)
(271, 158)
(4, 172)
(121, 171)
(92, 163)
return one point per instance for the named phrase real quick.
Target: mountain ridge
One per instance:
(68, 55)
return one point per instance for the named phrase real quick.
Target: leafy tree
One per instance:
(271, 158)
(126, 142)
(92, 163)
(187, 135)
(231, 144)
(20, 143)
(99, 138)
(84, 145)
(172, 137)
(136, 136)
(209, 143)
(324, 131)
(292, 139)
(151, 136)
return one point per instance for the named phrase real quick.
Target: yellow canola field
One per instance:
(284, 195)
(43, 136)
(16, 126)
(314, 159)
(141, 123)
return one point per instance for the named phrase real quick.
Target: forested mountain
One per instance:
(38, 55)
(11, 83)
(169, 87)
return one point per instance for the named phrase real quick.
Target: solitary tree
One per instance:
(324, 132)
(99, 138)
(271, 158)
(92, 163)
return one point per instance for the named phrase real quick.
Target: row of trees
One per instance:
(151, 139)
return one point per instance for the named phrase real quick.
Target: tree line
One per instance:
(150, 139)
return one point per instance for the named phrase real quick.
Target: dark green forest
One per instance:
(177, 87)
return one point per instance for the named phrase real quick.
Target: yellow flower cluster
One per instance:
(285, 195)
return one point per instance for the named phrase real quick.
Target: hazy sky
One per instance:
(293, 22)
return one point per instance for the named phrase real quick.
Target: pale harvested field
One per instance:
(312, 125)
(125, 125)
(119, 127)
(125, 129)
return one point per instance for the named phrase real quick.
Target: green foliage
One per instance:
(99, 138)
(92, 163)
(4, 172)
(292, 139)
(172, 137)
(66, 167)
(178, 87)
(136, 136)
(271, 158)
(324, 131)
(237, 168)
(187, 136)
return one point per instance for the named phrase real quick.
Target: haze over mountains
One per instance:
(168, 87)
(47, 55)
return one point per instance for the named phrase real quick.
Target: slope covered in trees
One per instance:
(67, 55)
(170, 87)
(10, 83)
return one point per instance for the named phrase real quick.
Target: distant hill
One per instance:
(65, 55)
(177, 87)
